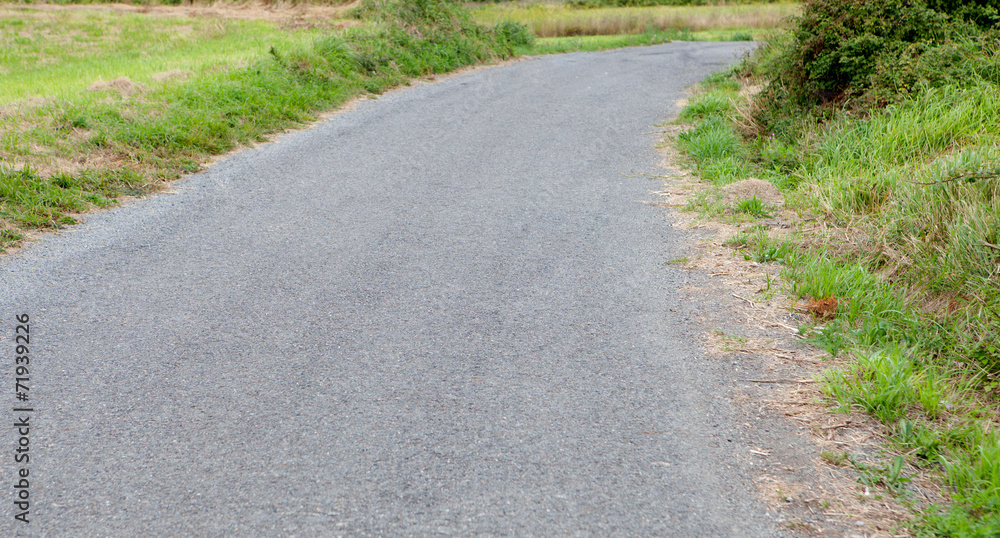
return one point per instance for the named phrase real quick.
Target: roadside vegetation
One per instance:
(880, 122)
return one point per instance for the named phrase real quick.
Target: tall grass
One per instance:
(554, 20)
(921, 177)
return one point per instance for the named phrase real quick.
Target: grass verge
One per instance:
(559, 45)
(898, 227)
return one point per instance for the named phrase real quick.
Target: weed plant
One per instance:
(754, 207)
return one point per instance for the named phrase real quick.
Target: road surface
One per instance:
(442, 312)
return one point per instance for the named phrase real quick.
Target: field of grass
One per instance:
(61, 53)
(560, 20)
(901, 226)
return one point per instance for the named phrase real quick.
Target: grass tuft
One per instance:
(754, 207)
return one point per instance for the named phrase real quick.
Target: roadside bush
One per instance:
(515, 33)
(884, 119)
(866, 54)
(983, 13)
(419, 37)
(837, 45)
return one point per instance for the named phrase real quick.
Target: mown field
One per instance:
(59, 54)
(889, 158)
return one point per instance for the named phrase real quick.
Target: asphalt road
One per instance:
(442, 312)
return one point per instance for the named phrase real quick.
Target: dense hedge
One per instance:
(869, 53)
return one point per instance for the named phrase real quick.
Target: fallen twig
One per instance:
(793, 359)
(644, 175)
(780, 380)
(990, 175)
(836, 426)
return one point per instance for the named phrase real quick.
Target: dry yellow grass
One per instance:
(548, 20)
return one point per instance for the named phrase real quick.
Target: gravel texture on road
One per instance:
(443, 311)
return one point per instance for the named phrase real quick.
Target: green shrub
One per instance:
(885, 118)
(515, 33)
(983, 13)
(838, 44)
(866, 54)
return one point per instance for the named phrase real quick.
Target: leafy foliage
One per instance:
(869, 53)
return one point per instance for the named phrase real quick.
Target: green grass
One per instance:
(909, 198)
(60, 54)
(757, 244)
(754, 207)
(559, 45)
(715, 103)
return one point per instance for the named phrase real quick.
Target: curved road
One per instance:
(445, 311)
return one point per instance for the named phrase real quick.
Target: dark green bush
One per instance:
(983, 13)
(515, 33)
(865, 54)
(839, 43)
(419, 37)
